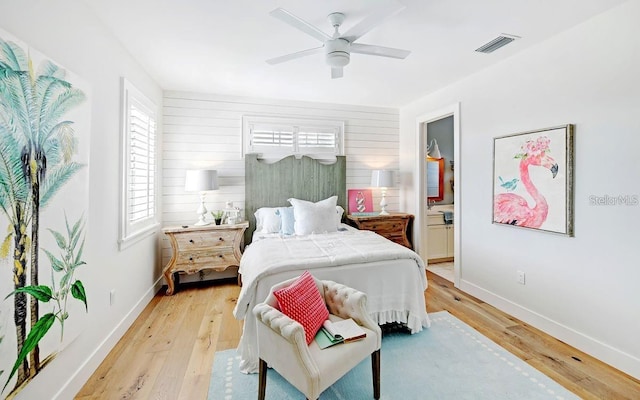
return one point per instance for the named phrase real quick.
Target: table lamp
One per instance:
(382, 178)
(201, 180)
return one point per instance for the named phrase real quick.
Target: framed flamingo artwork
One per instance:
(360, 201)
(533, 180)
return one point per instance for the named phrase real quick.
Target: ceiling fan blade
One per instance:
(300, 24)
(379, 51)
(293, 56)
(337, 72)
(372, 20)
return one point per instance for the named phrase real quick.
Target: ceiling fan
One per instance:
(338, 47)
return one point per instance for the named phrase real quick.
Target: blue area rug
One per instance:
(450, 360)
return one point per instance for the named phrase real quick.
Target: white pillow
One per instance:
(317, 217)
(339, 213)
(267, 220)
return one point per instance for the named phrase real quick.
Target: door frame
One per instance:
(421, 198)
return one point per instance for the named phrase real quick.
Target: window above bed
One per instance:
(278, 137)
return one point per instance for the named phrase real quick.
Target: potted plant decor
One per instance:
(217, 216)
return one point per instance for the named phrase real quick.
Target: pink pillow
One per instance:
(303, 302)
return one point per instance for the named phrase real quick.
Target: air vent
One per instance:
(496, 43)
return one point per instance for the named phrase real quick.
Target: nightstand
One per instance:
(196, 248)
(395, 226)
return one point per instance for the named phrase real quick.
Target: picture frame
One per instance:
(533, 180)
(360, 201)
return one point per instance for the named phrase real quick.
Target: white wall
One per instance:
(68, 33)
(583, 290)
(205, 130)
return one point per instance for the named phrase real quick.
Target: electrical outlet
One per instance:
(112, 297)
(521, 277)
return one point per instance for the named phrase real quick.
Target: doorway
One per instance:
(441, 218)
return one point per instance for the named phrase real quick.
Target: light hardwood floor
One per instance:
(168, 352)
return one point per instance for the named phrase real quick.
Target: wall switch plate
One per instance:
(112, 297)
(521, 277)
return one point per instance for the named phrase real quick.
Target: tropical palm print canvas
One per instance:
(44, 144)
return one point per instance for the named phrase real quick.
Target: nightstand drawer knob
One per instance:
(190, 258)
(190, 240)
(221, 239)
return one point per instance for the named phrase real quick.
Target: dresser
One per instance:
(197, 248)
(395, 226)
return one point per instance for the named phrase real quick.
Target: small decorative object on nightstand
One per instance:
(395, 226)
(196, 248)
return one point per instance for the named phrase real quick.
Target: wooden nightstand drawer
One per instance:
(200, 240)
(395, 237)
(195, 261)
(384, 227)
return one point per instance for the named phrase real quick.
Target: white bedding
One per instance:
(392, 276)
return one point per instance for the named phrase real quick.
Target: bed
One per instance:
(392, 275)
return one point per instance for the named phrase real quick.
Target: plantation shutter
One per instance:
(317, 140)
(138, 198)
(142, 128)
(275, 137)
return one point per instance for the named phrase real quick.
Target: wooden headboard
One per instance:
(270, 185)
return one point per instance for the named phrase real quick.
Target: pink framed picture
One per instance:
(360, 201)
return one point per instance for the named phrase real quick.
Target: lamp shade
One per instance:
(200, 180)
(382, 178)
(433, 150)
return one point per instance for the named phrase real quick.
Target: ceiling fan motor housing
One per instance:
(337, 52)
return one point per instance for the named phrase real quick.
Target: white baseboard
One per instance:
(84, 372)
(602, 351)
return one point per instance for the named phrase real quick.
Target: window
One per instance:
(275, 137)
(138, 200)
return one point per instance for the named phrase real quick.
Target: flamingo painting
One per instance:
(512, 209)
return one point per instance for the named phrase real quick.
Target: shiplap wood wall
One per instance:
(205, 131)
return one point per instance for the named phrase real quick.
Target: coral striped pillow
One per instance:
(303, 302)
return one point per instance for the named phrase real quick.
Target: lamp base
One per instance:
(383, 202)
(202, 211)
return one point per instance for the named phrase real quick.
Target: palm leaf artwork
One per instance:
(69, 259)
(14, 189)
(37, 145)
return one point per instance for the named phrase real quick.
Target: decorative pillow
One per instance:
(339, 213)
(303, 302)
(267, 220)
(287, 221)
(317, 217)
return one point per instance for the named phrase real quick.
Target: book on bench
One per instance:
(344, 331)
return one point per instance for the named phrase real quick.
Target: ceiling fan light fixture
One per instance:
(337, 52)
(338, 59)
(338, 47)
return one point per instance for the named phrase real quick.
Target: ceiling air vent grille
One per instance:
(496, 43)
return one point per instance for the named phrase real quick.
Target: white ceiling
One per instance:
(220, 46)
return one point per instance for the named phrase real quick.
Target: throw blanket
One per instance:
(287, 253)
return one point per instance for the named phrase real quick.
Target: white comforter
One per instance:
(392, 275)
